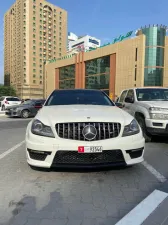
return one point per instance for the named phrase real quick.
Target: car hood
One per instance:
(158, 104)
(50, 115)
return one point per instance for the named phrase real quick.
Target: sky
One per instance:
(104, 20)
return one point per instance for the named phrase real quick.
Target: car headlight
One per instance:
(131, 129)
(157, 109)
(39, 128)
(159, 116)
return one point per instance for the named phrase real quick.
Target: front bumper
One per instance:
(157, 127)
(12, 113)
(56, 152)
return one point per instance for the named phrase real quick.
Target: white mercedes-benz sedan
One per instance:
(83, 128)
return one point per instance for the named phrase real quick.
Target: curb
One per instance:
(146, 208)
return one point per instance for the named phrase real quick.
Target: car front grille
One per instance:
(74, 131)
(73, 157)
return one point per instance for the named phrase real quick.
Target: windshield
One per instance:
(152, 94)
(12, 99)
(28, 102)
(80, 97)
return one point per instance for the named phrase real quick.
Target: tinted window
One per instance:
(78, 98)
(130, 94)
(28, 102)
(13, 99)
(149, 94)
(122, 97)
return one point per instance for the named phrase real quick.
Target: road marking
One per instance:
(11, 150)
(142, 211)
(150, 168)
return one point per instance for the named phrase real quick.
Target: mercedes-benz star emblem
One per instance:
(89, 132)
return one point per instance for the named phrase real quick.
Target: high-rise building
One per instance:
(82, 43)
(71, 37)
(34, 32)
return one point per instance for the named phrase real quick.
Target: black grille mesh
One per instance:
(73, 157)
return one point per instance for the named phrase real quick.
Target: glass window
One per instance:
(82, 97)
(155, 36)
(67, 72)
(97, 82)
(122, 97)
(13, 99)
(130, 94)
(98, 66)
(67, 84)
(152, 94)
(153, 77)
(154, 56)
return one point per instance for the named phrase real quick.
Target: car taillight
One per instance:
(6, 102)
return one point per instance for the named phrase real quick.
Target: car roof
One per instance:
(146, 87)
(77, 90)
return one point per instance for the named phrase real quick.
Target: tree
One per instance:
(7, 91)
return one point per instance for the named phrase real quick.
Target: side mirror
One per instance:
(129, 100)
(119, 105)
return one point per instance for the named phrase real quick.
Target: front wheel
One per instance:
(25, 114)
(142, 124)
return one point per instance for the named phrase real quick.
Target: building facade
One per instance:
(71, 37)
(83, 43)
(34, 31)
(125, 63)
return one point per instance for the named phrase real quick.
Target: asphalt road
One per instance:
(29, 197)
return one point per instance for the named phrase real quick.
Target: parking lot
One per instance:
(71, 197)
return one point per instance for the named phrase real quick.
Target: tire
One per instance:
(142, 124)
(3, 108)
(25, 114)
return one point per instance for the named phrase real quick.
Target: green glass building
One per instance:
(154, 54)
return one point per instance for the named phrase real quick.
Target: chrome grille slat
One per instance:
(104, 130)
(74, 131)
(68, 130)
(109, 129)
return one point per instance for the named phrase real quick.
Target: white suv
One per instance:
(150, 107)
(6, 101)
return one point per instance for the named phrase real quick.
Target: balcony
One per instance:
(49, 38)
(50, 21)
(49, 16)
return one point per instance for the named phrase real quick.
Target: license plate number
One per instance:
(90, 149)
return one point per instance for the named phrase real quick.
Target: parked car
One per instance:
(7, 101)
(150, 107)
(83, 128)
(27, 109)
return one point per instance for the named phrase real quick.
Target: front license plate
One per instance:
(90, 149)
